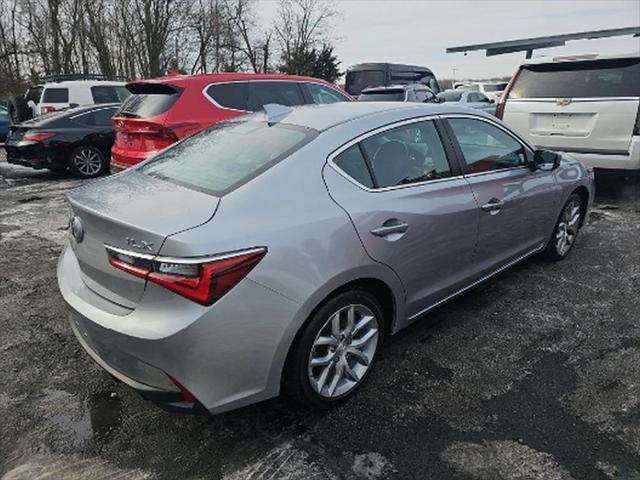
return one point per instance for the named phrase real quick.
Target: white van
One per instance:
(588, 106)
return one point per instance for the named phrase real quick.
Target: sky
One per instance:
(418, 31)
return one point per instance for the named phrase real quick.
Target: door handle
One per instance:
(390, 229)
(493, 206)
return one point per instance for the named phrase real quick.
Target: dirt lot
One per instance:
(534, 375)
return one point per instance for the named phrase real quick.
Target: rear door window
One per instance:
(282, 93)
(149, 100)
(408, 154)
(55, 95)
(219, 159)
(323, 94)
(230, 95)
(580, 79)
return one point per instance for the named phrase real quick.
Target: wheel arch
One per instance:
(583, 193)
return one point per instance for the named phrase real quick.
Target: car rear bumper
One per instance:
(123, 158)
(610, 160)
(228, 355)
(33, 155)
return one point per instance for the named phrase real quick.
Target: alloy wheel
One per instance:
(568, 227)
(88, 162)
(343, 351)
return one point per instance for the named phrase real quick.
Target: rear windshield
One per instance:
(55, 95)
(148, 100)
(452, 96)
(359, 80)
(220, 159)
(600, 78)
(396, 95)
(109, 94)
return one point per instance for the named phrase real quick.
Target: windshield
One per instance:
(359, 80)
(600, 78)
(389, 95)
(222, 158)
(451, 96)
(494, 87)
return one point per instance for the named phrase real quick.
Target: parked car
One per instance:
(78, 139)
(367, 75)
(59, 92)
(587, 105)
(279, 249)
(398, 93)
(164, 110)
(4, 124)
(470, 99)
(493, 90)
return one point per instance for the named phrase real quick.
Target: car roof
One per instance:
(183, 80)
(403, 86)
(74, 83)
(324, 117)
(581, 58)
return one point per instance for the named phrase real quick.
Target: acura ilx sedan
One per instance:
(275, 252)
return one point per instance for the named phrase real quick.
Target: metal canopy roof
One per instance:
(530, 44)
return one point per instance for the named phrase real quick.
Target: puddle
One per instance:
(80, 422)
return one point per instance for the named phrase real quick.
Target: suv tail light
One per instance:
(503, 99)
(44, 110)
(203, 280)
(37, 136)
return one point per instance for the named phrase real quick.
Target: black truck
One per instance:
(366, 75)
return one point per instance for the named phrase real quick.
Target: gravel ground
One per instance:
(534, 375)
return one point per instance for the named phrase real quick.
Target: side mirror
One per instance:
(546, 160)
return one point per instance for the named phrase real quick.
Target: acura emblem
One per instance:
(77, 230)
(563, 102)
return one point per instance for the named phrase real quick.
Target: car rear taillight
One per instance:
(148, 129)
(503, 98)
(37, 136)
(44, 110)
(203, 280)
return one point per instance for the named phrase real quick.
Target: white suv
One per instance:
(586, 105)
(64, 91)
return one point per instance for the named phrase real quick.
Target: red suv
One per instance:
(164, 110)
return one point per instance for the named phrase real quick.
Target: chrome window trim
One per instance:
(371, 133)
(183, 260)
(216, 104)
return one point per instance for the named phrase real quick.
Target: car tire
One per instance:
(565, 232)
(19, 110)
(86, 161)
(331, 358)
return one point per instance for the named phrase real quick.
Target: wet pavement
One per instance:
(536, 374)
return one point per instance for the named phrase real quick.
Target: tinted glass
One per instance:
(397, 95)
(55, 95)
(283, 93)
(495, 87)
(358, 81)
(322, 94)
(109, 94)
(486, 147)
(230, 95)
(218, 159)
(148, 105)
(603, 78)
(407, 154)
(353, 164)
(451, 95)
(100, 117)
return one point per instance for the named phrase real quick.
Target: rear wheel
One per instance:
(336, 350)
(87, 162)
(566, 231)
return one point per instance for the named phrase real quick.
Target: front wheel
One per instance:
(87, 162)
(336, 350)
(566, 229)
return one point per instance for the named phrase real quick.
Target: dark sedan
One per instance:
(78, 139)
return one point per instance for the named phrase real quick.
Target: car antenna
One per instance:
(276, 112)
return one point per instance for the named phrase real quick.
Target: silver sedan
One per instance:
(277, 251)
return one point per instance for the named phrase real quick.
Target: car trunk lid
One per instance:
(133, 212)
